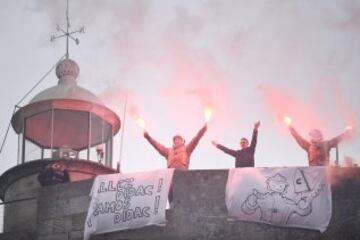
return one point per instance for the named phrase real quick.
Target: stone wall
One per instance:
(63, 210)
(199, 212)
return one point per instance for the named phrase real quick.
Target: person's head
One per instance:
(244, 143)
(277, 183)
(178, 141)
(316, 136)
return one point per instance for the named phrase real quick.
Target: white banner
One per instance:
(127, 201)
(296, 196)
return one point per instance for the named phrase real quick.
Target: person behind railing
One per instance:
(245, 156)
(177, 156)
(53, 173)
(318, 149)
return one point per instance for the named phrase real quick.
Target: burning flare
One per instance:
(287, 120)
(141, 122)
(208, 112)
(349, 128)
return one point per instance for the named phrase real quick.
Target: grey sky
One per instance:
(251, 60)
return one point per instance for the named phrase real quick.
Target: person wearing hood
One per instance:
(244, 156)
(318, 149)
(177, 156)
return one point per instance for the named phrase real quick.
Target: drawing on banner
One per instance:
(277, 205)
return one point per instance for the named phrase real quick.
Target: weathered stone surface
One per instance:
(61, 236)
(22, 178)
(53, 209)
(199, 212)
(78, 221)
(54, 226)
(79, 204)
(64, 199)
(18, 176)
(20, 216)
(76, 235)
(66, 190)
(18, 235)
(25, 187)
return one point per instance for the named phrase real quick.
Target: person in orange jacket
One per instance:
(177, 156)
(318, 149)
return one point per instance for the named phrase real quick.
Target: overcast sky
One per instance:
(251, 60)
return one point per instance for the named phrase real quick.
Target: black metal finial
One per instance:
(68, 34)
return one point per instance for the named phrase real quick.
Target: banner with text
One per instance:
(127, 201)
(294, 196)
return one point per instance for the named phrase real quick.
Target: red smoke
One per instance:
(115, 96)
(281, 104)
(196, 81)
(345, 110)
(326, 110)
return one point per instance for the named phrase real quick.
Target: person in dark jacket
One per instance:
(318, 149)
(178, 156)
(245, 156)
(53, 173)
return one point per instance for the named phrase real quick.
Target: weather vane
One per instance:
(66, 33)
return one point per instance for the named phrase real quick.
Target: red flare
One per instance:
(208, 112)
(349, 128)
(141, 122)
(287, 120)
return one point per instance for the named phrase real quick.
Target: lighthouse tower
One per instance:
(65, 134)
(66, 122)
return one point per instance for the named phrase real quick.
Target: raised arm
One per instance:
(224, 149)
(254, 136)
(158, 146)
(299, 139)
(345, 135)
(194, 142)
